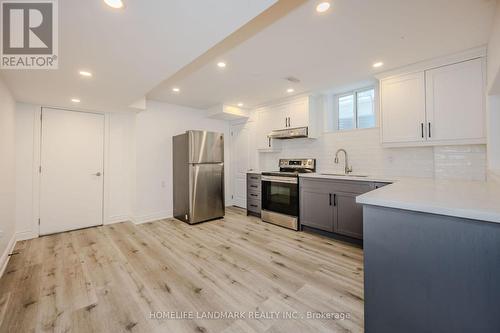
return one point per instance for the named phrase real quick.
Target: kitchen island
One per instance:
(432, 256)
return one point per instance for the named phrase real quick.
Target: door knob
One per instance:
(98, 174)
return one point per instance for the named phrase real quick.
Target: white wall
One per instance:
(155, 128)
(26, 132)
(138, 170)
(494, 55)
(119, 168)
(7, 172)
(367, 156)
(494, 98)
(494, 135)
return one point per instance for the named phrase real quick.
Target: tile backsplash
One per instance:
(367, 156)
(460, 162)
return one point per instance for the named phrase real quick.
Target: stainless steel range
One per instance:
(280, 192)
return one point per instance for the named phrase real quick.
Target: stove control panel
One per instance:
(308, 164)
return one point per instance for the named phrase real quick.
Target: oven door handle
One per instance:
(279, 179)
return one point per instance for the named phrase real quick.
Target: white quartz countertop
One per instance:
(465, 199)
(349, 177)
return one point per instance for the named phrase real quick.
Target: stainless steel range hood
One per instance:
(290, 133)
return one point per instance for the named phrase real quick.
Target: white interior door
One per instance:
(72, 162)
(240, 160)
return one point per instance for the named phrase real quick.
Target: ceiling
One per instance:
(129, 51)
(330, 50)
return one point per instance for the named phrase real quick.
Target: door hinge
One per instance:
(41, 115)
(38, 221)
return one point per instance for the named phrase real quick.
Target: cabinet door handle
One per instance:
(330, 199)
(334, 200)
(269, 142)
(286, 122)
(430, 129)
(422, 129)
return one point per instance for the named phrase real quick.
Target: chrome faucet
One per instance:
(347, 168)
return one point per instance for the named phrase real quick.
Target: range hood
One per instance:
(290, 133)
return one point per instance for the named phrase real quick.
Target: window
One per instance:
(356, 109)
(346, 112)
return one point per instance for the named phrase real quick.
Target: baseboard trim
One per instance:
(117, 219)
(4, 260)
(151, 217)
(25, 235)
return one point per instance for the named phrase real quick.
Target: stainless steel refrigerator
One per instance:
(198, 176)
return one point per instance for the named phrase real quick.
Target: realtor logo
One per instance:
(29, 34)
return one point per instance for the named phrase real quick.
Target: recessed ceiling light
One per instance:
(378, 64)
(176, 90)
(323, 7)
(114, 3)
(240, 104)
(75, 100)
(221, 64)
(85, 73)
(290, 90)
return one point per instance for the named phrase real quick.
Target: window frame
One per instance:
(354, 93)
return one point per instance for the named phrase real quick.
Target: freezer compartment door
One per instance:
(206, 192)
(206, 147)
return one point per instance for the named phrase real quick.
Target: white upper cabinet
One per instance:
(455, 102)
(266, 121)
(298, 112)
(439, 105)
(403, 108)
(280, 115)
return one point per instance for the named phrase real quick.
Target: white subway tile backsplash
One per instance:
(367, 156)
(460, 162)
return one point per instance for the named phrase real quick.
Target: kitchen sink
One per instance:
(342, 175)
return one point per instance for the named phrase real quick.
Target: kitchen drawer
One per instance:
(253, 195)
(253, 205)
(253, 185)
(253, 177)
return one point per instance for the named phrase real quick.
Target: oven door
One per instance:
(280, 194)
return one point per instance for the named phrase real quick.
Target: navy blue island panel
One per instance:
(430, 273)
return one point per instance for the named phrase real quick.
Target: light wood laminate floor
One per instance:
(115, 278)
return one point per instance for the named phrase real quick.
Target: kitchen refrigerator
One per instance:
(198, 176)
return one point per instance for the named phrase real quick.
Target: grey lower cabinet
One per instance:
(254, 194)
(330, 205)
(430, 273)
(349, 215)
(316, 207)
